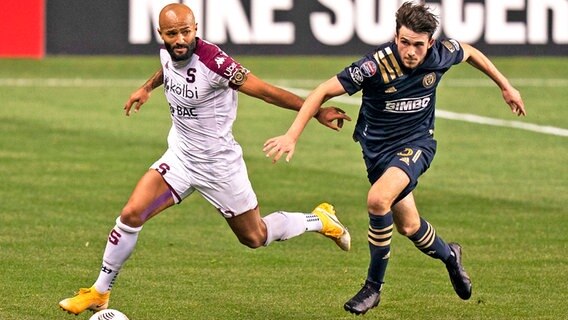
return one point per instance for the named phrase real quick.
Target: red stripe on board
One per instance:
(22, 28)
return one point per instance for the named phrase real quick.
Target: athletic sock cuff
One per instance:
(126, 228)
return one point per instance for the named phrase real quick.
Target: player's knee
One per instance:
(378, 204)
(251, 242)
(131, 216)
(407, 229)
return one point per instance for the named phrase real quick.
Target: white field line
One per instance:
(134, 83)
(68, 82)
(311, 83)
(456, 83)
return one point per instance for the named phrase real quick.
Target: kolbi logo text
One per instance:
(182, 90)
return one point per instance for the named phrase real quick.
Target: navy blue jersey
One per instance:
(397, 106)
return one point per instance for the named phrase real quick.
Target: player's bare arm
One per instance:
(285, 144)
(142, 94)
(511, 95)
(331, 117)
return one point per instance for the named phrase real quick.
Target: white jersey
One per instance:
(202, 97)
(202, 154)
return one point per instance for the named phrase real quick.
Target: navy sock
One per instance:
(426, 240)
(379, 237)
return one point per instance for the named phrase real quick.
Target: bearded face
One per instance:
(180, 51)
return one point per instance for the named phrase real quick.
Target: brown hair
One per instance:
(416, 17)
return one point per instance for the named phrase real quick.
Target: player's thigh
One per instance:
(150, 196)
(386, 189)
(175, 174)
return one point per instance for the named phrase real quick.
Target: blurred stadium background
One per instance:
(37, 28)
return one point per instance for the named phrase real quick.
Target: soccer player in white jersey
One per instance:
(200, 83)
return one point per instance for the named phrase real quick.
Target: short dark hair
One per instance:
(416, 17)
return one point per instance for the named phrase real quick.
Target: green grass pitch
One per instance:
(69, 159)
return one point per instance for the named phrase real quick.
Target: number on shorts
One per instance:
(163, 168)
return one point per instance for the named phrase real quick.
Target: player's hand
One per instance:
(137, 98)
(328, 115)
(513, 98)
(276, 147)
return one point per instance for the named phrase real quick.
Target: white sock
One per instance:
(313, 222)
(283, 225)
(120, 244)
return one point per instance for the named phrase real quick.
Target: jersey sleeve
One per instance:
(228, 72)
(352, 77)
(232, 71)
(450, 52)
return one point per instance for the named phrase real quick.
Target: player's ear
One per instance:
(430, 43)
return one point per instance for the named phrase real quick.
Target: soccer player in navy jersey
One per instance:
(200, 84)
(395, 129)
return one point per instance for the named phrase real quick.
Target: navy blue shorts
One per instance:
(414, 159)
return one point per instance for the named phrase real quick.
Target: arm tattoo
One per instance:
(155, 81)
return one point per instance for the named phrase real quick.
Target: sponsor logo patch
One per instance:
(356, 75)
(239, 76)
(456, 44)
(368, 69)
(452, 45)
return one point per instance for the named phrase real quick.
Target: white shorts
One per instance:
(231, 193)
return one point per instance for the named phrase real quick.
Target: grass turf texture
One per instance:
(69, 160)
